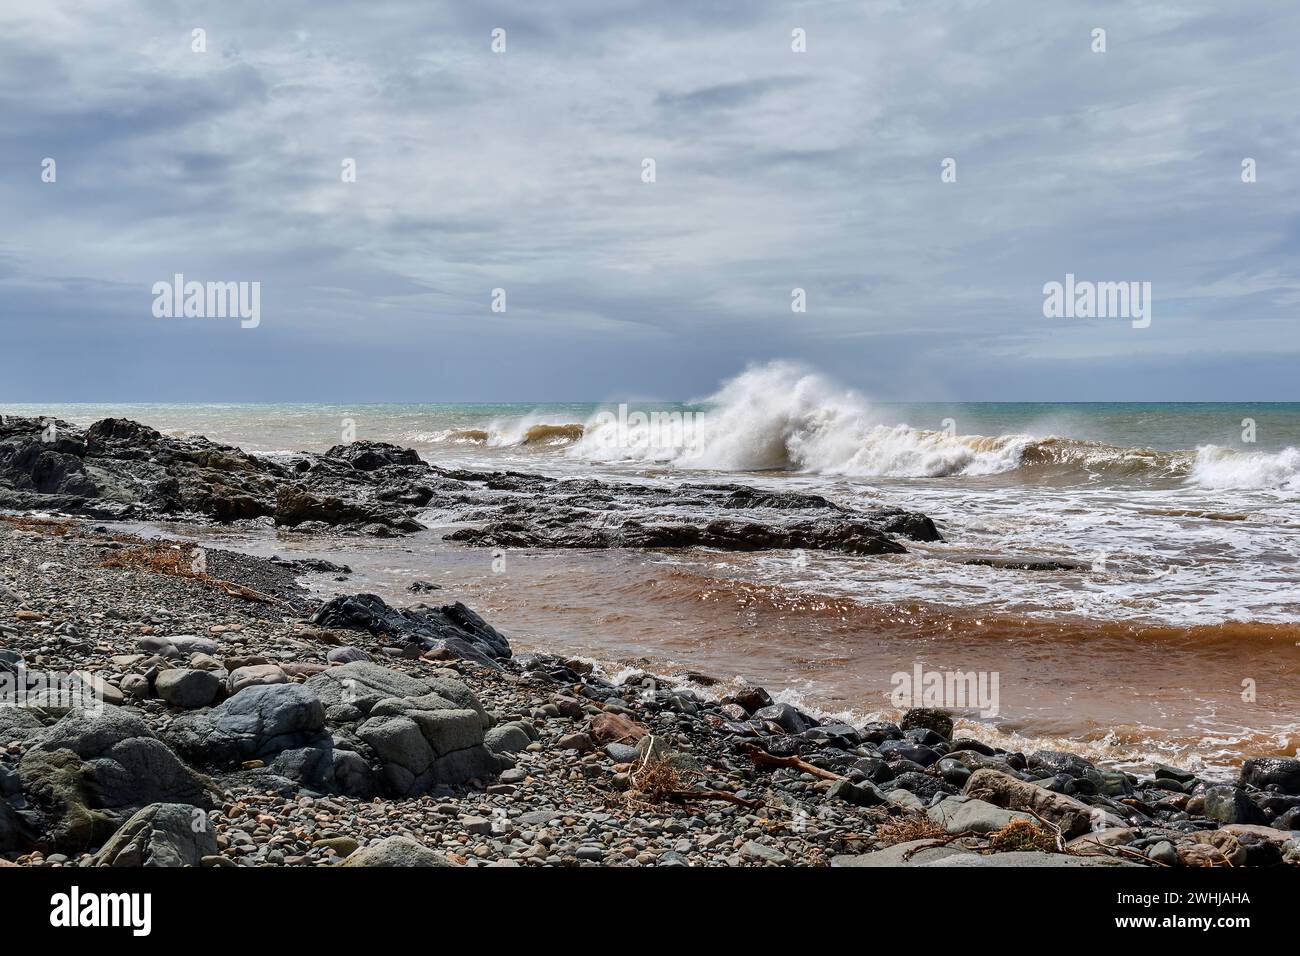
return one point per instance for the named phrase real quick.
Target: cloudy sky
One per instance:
(522, 170)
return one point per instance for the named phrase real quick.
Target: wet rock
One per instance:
(938, 721)
(861, 794)
(1280, 773)
(1226, 804)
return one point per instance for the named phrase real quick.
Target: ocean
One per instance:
(1162, 621)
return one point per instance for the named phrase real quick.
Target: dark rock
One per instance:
(921, 784)
(188, 689)
(1226, 804)
(453, 628)
(937, 720)
(750, 698)
(859, 794)
(1280, 773)
(785, 717)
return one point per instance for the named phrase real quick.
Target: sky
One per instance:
(523, 170)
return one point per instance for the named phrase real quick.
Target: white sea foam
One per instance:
(1218, 467)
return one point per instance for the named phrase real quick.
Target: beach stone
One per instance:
(960, 814)
(1282, 773)
(615, 728)
(749, 699)
(1227, 804)
(136, 686)
(922, 785)
(859, 794)
(161, 834)
(784, 716)
(1163, 852)
(939, 721)
(753, 850)
(1055, 761)
(580, 742)
(346, 654)
(398, 851)
(343, 846)
(188, 689)
(102, 690)
(507, 739)
(954, 772)
(1072, 816)
(621, 753)
(255, 675)
(188, 644)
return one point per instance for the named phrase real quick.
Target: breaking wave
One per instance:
(781, 417)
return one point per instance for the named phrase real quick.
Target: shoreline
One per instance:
(300, 732)
(581, 771)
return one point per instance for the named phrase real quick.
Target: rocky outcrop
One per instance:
(453, 629)
(90, 770)
(121, 469)
(423, 732)
(853, 537)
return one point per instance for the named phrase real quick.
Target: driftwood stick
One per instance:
(762, 758)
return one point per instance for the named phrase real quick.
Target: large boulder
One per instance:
(131, 767)
(425, 732)
(91, 770)
(161, 834)
(259, 721)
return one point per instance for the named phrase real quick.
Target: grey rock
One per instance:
(161, 834)
(259, 721)
(507, 739)
(1226, 804)
(188, 689)
(961, 814)
(346, 654)
(396, 851)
